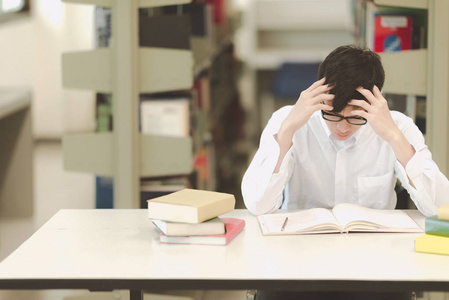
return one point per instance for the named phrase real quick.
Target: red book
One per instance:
(233, 227)
(392, 33)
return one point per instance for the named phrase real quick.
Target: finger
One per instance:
(360, 103)
(323, 98)
(367, 93)
(377, 92)
(326, 107)
(360, 113)
(316, 84)
(323, 89)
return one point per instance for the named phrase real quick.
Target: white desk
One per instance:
(119, 249)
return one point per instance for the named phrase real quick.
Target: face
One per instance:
(342, 130)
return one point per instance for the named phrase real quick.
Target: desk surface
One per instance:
(119, 249)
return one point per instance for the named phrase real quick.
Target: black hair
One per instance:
(347, 68)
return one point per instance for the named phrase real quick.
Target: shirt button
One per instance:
(340, 182)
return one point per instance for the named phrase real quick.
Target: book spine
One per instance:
(435, 226)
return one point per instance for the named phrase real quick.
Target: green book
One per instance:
(436, 226)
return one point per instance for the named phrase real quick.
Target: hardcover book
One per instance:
(233, 227)
(429, 243)
(443, 212)
(190, 206)
(435, 226)
(210, 227)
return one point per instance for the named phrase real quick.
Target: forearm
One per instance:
(284, 139)
(402, 149)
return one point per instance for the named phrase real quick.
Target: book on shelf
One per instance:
(165, 31)
(435, 226)
(428, 243)
(213, 226)
(233, 227)
(165, 116)
(443, 212)
(344, 217)
(392, 33)
(387, 28)
(190, 206)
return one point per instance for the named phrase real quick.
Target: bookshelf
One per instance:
(129, 74)
(16, 153)
(126, 70)
(425, 72)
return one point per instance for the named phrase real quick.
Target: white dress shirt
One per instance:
(320, 171)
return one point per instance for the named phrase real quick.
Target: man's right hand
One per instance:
(310, 100)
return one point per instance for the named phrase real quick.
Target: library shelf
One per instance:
(420, 4)
(402, 68)
(160, 155)
(93, 70)
(142, 3)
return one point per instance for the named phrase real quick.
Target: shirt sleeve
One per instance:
(431, 186)
(261, 189)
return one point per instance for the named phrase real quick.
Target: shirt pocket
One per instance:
(376, 191)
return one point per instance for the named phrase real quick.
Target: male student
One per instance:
(341, 143)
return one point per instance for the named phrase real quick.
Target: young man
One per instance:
(341, 143)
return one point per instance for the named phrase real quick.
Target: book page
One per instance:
(374, 219)
(304, 220)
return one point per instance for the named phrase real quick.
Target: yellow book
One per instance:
(190, 206)
(443, 212)
(428, 243)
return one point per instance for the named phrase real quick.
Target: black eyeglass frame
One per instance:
(348, 119)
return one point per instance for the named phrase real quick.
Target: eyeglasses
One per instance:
(337, 118)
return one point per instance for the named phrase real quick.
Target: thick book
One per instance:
(233, 227)
(429, 243)
(190, 206)
(437, 227)
(443, 212)
(210, 227)
(344, 217)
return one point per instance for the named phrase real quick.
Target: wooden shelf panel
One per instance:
(142, 3)
(87, 70)
(103, 3)
(156, 3)
(421, 4)
(160, 155)
(160, 70)
(405, 72)
(163, 69)
(88, 153)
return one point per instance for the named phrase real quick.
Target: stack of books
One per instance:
(436, 238)
(191, 216)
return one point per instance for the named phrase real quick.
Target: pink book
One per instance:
(233, 227)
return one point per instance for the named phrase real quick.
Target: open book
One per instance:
(344, 217)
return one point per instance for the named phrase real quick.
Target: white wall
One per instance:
(30, 55)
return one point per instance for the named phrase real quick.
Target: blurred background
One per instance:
(178, 95)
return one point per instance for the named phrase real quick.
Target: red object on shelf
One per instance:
(392, 33)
